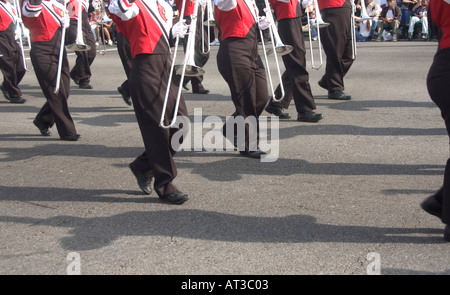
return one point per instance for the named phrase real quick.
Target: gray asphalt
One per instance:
(343, 197)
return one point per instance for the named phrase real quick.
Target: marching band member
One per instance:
(438, 88)
(295, 78)
(81, 71)
(239, 63)
(200, 58)
(44, 19)
(11, 60)
(337, 44)
(146, 24)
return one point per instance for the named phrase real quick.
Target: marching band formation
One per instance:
(146, 34)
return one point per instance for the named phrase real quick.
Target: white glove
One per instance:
(307, 3)
(263, 23)
(179, 29)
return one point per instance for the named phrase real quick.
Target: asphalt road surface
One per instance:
(341, 197)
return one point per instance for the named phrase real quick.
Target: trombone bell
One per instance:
(284, 49)
(190, 71)
(281, 49)
(323, 25)
(79, 47)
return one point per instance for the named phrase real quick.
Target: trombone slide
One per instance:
(79, 44)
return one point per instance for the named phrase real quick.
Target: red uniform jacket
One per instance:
(235, 17)
(145, 23)
(43, 20)
(289, 9)
(440, 14)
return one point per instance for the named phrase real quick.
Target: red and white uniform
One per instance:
(235, 17)
(323, 4)
(8, 16)
(238, 60)
(145, 23)
(441, 17)
(73, 6)
(43, 20)
(295, 78)
(11, 63)
(286, 8)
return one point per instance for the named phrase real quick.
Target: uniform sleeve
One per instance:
(30, 10)
(123, 9)
(225, 5)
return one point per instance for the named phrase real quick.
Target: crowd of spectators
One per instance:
(391, 20)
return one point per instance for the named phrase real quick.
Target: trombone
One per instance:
(209, 22)
(277, 47)
(79, 44)
(21, 26)
(61, 50)
(186, 68)
(319, 25)
(364, 16)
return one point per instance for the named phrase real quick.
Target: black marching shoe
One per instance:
(73, 137)
(254, 154)
(42, 128)
(339, 95)
(432, 206)
(277, 111)
(85, 86)
(447, 233)
(185, 86)
(203, 91)
(125, 95)
(309, 116)
(143, 181)
(175, 198)
(17, 100)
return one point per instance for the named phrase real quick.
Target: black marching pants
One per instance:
(148, 84)
(11, 63)
(439, 90)
(295, 78)
(81, 71)
(337, 44)
(45, 58)
(241, 67)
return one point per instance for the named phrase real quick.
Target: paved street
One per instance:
(343, 197)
